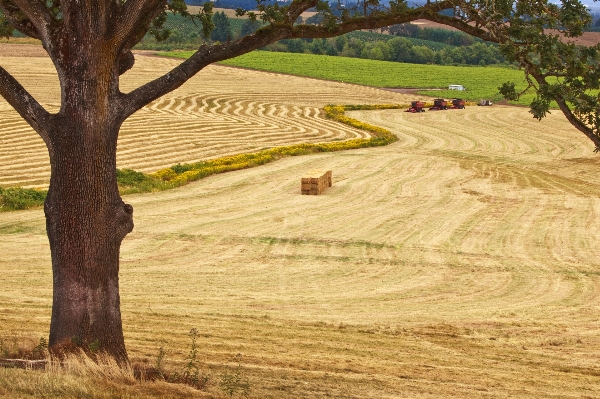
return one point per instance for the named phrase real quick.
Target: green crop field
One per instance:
(480, 82)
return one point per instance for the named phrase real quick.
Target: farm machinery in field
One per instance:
(439, 104)
(485, 103)
(416, 106)
(457, 103)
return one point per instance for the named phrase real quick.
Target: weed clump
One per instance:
(235, 382)
(26, 349)
(190, 373)
(18, 198)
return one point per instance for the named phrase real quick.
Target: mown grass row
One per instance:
(131, 181)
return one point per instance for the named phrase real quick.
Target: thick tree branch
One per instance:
(566, 110)
(126, 61)
(298, 7)
(473, 30)
(17, 19)
(576, 122)
(207, 55)
(39, 16)
(135, 16)
(25, 104)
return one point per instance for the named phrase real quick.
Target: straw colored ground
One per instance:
(458, 262)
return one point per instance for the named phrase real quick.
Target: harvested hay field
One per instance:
(222, 111)
(458, 262)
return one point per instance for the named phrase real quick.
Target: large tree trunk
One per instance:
(86, 219)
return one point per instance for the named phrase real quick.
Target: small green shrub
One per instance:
(18, 198)
(131, 181)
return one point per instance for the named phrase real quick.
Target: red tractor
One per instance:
(416, 106)
(439, 104)
(458, 103)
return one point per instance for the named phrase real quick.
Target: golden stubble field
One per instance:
(459, 262)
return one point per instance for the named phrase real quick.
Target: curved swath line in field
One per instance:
(580, 250)
(485, 220)
(216, 106)
(30, 183)
(296, 111)
(10, 121)
(230, 105)
(410, 131)
(33, 167)
(499, 141)
(532, 140)
(240, 105)
(182, 149)
(194, 105)
(327, 129)
(249, 111)
(272, 110)
(282, 113)
(24, 157)
(469, 139)
(449, 129)
(420, 179)
(185, 132)
(164, 127)
(36, 172)
(181, 103)
(26, 140)
(154, 105)
(163, 105)
(133, 137)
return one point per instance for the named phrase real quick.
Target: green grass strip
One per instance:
(131, 181)
(18, 198)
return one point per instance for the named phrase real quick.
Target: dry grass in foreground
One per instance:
(78, 376)
(458, 262)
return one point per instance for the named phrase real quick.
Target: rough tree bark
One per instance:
(86, 219)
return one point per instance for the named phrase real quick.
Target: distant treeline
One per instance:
(398, 49)
(409, 43)
(455, 38)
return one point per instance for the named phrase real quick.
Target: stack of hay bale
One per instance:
(314, 182)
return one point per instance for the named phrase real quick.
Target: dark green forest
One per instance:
(400, 43)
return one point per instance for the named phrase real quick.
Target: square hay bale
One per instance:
(314, 182)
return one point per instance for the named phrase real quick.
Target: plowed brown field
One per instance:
(459, 262)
